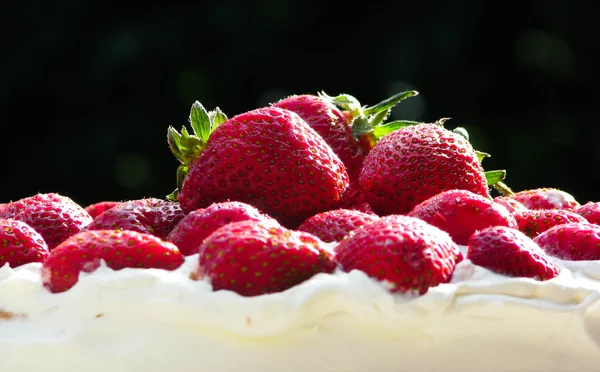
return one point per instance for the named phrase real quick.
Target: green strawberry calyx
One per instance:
(185, 146)
(367, 120)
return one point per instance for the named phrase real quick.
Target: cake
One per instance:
(156, 320)
(303, 238)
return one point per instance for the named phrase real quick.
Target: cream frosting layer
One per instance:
(153, 320)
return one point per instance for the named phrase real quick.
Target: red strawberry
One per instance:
(363, 207)
(259, 257)
(461, 213)
(197, 225)
(20, 244)
(590, 211)
(334, 125)
(510, 204)
(417, 162)
(348, 129)
(55, 217)
(127, 216)
(406, 252)
(334, 225)
(56, 198)
(97, 208)
(149, 215)
(507, 251)
(354, 198)
(119, 249)
(545, 198)
(574, 241)
(165, 214)
(532, 222)
(267, 157)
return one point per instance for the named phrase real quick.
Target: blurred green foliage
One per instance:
(87, 89)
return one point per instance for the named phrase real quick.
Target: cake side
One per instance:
(149, 318)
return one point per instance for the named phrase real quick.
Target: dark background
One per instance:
(87, 90)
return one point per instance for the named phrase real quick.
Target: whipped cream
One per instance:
(153, 320)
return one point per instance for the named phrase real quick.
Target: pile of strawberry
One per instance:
(311, 184)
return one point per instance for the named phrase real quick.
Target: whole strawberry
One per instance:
(148, 215)
(334, 125)
(417, 162)
(268, 157)
(405, 252)
(460, 213)
(510, 204)
(83, 252)
(507, 251)
(54, 216)
(260, 257)
(533, 222)
(191, 231)
(350, 129)
(545, 198)
(97, 208)
(590, 211)
(574, 241)
(20, 244)
(343, 123)
(334, 225)
(165, 214)
(126, 216)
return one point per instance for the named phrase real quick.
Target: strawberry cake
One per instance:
(157, 320)
(307, 235)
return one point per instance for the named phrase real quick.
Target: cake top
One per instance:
(310, 186)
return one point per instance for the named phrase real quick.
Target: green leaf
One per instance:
(174, 140)
(344, 101)
(387, 128)
(379, 118)
(389, 102)
(173, 196)
(503, 189)
(200, 121)
(495, 176)
(461, 132)
(182, 171)
(217, 117)
(190, 146)
(482, 155)
(441, 121)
